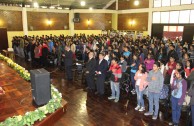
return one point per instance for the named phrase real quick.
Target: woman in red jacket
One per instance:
(141, 83)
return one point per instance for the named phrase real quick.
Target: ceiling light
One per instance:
(66, 8)
(27, 5)
(36, 5)
(90, 8)
(59, 8)
(136, 2)
(83, 3)
(52, 7)
(43, 6)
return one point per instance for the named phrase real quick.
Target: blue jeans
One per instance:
(153, 101)
(176, 110)
(140, 100)
(115, 89)
(192, 111)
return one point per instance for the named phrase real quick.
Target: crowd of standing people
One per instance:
(151, 63)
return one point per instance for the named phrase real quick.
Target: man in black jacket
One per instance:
(90, 71)
(101, 69)
(68, 62)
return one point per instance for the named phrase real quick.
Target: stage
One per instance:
(17, 99)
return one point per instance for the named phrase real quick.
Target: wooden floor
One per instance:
(18, 98)
(84, 109)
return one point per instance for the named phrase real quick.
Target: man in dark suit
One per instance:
(68, 62)
(101, 69)
(90, 71)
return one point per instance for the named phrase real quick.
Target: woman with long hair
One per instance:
(178, 92)
(141, 83)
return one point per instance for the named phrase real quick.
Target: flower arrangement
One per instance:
(23, 73)
(29, 118)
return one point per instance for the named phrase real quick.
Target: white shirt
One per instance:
(138, 80)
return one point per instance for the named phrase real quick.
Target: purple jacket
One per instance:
(149, 66)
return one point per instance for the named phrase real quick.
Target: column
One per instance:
(115, 18)
(115, 21)
(150, 17)
(71, 23)
(24, 21)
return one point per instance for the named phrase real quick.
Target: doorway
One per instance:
(3, 39)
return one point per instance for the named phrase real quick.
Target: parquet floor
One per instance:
(17, 99)
(84, 109)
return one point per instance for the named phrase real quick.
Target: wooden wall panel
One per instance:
(140, 19)
(12, 20)
(97, 21)
(124, 5)
(38, 21)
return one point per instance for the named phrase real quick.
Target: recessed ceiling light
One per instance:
(136, 2)
(36, 5)
(83, 3)
(27, 5)
(59, 8)
(52, 7)
(43, 6)
(90, 8)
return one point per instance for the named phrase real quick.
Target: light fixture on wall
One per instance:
(131, 23)
(136, 2)
(1, 23)
(88, 23)
(49, 22)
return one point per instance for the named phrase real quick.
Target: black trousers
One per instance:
(68, 71)
(100, 84)
(90, 81)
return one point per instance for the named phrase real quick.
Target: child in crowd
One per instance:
(155, 83)
(170, 66)
(115, 80)
(179, 88)
(179, 66)
(141, 83)
(188, 68)
(149, 62)
(134, 68)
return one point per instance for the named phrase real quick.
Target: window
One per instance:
(174, 16)
(156, 17)
(175, 2)
(172, 28)
(193, 1)
(165, 3)
(165, 28)
(184, 16)
(164, 17)
(185, 1)
(157, 3)
(180, 28)
(192, 16)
